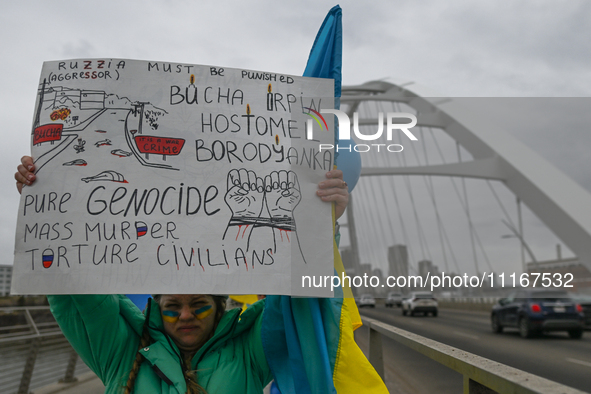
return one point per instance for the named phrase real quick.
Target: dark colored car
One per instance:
(534, 311)
(585, 302)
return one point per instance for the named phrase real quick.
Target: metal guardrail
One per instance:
(471, 300)
(483, 304)
(481, 375)
(35, 353)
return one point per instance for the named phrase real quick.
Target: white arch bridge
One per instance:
(450, 196)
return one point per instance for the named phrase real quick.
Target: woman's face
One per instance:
(189, 319)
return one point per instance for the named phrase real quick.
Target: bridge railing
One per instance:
(481, 375)
(483, 304)
(34, 351)
(38, 349)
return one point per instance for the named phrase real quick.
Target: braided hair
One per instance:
(137, 362)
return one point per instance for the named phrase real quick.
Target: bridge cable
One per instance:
(465, 208)
(473, 233)
(369, 214)
(380, 215)
(449, 245)
(407, 181)
(431, 189)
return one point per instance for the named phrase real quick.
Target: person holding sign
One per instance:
(185, 343)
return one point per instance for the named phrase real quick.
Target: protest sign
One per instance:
(157, 177)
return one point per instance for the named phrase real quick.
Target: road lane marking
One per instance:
(466, 335)
(585, 363)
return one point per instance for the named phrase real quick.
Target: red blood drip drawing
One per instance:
(286, 235)
(240, 229)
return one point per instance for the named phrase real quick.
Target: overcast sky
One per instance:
(457, 48)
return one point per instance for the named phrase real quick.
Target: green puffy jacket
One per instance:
(105, 330)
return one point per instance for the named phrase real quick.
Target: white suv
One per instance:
(420, 301)
(393, 299)
(367, 300)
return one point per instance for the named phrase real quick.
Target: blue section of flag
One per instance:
(300, 338)
(300, 335)
(140, 300)
(325, 60)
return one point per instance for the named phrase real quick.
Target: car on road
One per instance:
(393, 299)
(366, 300)
(420, 302)
(585, 302)
(534, 311)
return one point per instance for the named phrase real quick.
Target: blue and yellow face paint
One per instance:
(203, 312)
(170, 316)
(200, 313)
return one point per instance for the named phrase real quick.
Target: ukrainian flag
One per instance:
(309, 342)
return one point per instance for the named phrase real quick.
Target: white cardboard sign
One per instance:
(159, 177)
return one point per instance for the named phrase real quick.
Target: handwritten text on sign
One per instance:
(170, 178)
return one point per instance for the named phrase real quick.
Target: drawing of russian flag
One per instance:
(47, 258)
(141, 228)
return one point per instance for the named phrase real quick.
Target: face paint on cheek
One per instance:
(170, 316)
(203, 312)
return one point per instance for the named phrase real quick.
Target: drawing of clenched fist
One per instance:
(245, 194)
(282, 193)
(258, 204)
